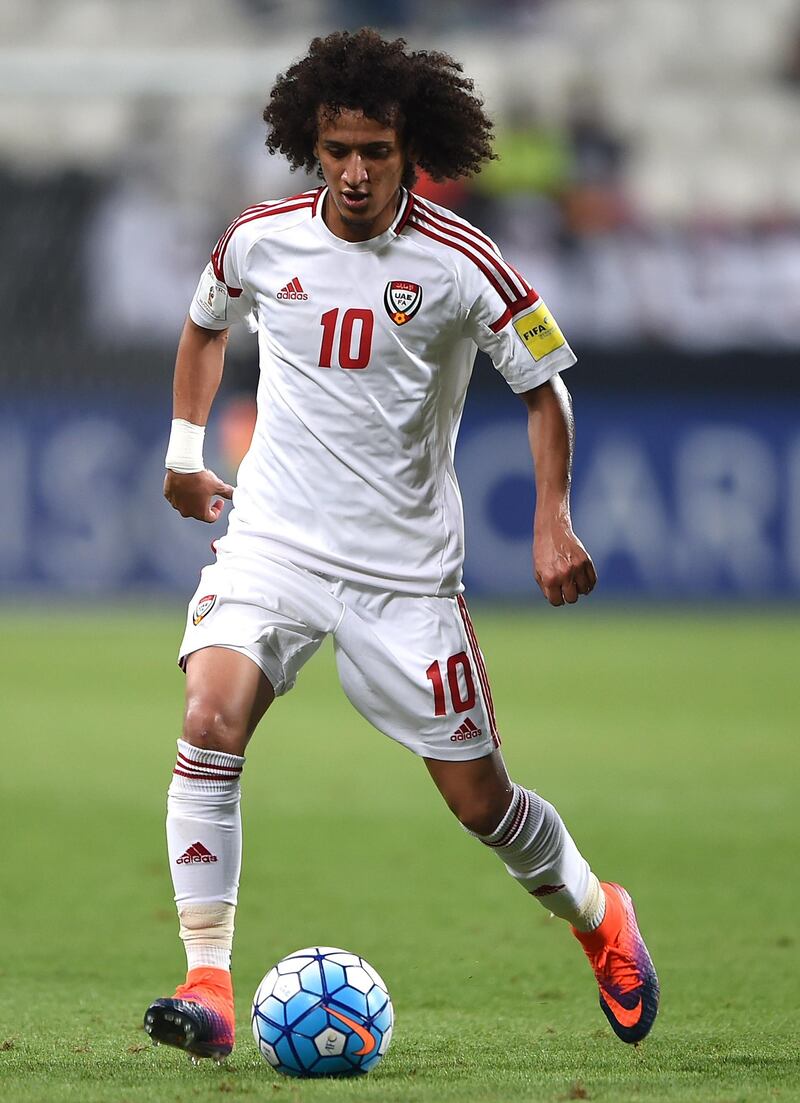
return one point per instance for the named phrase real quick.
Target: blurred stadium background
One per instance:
(649, 187)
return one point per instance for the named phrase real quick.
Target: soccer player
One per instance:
(369, 303)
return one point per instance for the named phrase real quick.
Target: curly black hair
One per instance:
(423, 94)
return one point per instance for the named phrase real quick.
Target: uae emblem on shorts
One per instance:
(402, 300)
(203, 608)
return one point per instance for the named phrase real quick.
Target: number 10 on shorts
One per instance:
(459, 682)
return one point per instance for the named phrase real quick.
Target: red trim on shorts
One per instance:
(483, 677)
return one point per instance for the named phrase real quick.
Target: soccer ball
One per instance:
(322, 1012)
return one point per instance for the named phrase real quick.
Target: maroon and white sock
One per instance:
(204, 842)
(539, 853)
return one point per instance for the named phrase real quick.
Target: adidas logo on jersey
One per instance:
(196, 853)
(292, 290)
(468, 730)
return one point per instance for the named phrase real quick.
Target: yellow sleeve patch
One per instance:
(539, 332)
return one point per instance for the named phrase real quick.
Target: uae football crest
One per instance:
(203, 608)
(402, 300)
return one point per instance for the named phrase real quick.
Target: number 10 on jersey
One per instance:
(355, 330)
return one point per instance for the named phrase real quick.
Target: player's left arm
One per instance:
(562, 566)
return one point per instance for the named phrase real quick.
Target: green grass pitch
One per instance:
(667, 740)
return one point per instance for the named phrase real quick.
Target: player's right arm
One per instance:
(220, 300)
(198, 371)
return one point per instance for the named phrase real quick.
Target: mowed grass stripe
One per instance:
(667, 741)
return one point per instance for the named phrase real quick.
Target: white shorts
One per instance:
(410, 665)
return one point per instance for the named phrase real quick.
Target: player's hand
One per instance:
(194, 495)
(561, 564)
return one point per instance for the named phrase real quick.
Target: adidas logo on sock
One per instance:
(292, 290)
(468, 730)
(195, 854)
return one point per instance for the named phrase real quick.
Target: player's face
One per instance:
(362, 161)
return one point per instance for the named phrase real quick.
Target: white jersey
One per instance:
(366, 351)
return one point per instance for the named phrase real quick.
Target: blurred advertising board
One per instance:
(676, 498)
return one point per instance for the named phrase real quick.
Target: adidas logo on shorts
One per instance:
(468, 730)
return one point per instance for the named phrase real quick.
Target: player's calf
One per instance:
(538, 851)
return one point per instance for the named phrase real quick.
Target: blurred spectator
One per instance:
(532, 156)
(144, 244)
(594, 196)
(43, 225)
(349, 15)
(515, 197)
(790, 69)
(422, 16)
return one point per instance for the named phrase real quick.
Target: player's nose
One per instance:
(354, 172)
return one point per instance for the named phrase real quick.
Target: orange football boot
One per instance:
(628, 983)
(199, 1018)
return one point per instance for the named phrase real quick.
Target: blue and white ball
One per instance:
(322, 1012)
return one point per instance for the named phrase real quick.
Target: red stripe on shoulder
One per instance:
(529, 299)
(421, 228)
(263, 210)
(464, 226)
(516, 285)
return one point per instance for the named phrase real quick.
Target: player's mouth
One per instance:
(354, 200)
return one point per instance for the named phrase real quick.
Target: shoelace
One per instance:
(618, 969)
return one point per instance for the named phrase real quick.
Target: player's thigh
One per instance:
(245, 643)
(227, 694)
(413, 668)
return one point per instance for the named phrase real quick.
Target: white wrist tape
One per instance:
(185, 448)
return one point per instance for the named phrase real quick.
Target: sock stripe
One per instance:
(517, 821)
(205, 771)
(197, 776)
(198, 764)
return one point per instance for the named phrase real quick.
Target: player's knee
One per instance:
(210, 729)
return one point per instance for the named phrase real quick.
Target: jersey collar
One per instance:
(372, 244)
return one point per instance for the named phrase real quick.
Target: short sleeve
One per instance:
(222, 298)
(512, 324)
